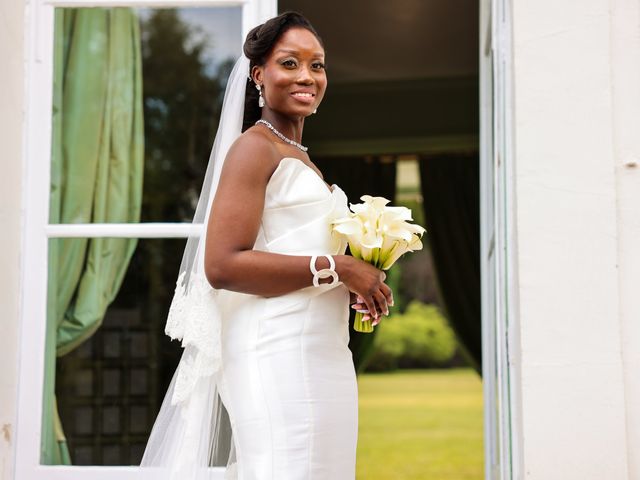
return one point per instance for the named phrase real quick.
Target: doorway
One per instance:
(429, 81)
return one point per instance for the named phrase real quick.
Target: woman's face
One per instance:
(293, 78)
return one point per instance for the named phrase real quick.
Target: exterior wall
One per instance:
(577, 214)
(11, 136)
(625, 70)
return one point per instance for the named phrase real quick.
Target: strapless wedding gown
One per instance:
(288, 379)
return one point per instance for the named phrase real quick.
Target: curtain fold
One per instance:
(96, 176)
(451, 200)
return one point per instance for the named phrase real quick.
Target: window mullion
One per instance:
(144, 3)
(124, 230)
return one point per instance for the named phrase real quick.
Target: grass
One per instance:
(420, 424)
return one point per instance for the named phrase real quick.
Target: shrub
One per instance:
(418, 338)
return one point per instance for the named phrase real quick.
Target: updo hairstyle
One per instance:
(257, 48)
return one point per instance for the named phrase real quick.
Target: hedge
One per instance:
(418, 338)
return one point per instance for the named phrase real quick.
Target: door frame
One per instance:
(498, 247)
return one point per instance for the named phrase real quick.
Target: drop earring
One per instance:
(315, 110)
(261, 98)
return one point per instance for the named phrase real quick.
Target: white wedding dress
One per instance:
(287, 378)
(281, 365)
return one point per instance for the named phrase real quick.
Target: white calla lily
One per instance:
(378, 234)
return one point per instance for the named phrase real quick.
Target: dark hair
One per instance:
(257, 48)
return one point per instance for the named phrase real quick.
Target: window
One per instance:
(105, 236)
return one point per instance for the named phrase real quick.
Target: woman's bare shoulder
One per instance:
(253, 151)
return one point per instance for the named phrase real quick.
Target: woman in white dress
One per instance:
(278, 287)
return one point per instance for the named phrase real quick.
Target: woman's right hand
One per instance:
(367, 282)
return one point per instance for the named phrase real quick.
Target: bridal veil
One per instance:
(192, 434)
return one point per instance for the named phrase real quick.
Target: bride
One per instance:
(266, 385)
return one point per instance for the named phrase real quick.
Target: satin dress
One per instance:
(288, 380)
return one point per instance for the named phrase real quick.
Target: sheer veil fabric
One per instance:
(191, 433)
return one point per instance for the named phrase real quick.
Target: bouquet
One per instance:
(378, 234)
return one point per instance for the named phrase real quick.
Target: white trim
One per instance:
(33, 291)
(487, 241)
(500, 328)
(512, 338)
(39, 29)
(111, 473)
(145, 3)
(256, 12)
(503, 470)
(487, 238)
(124, 230)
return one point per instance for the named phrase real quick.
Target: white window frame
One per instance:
(500, 322)
(37, 231)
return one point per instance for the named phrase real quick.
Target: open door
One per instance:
(497, 244)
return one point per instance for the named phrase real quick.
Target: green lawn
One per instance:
(420, 424)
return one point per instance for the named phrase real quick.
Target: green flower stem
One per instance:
(375, 256)
(366, 326)
(360, 326)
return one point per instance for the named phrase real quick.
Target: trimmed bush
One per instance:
(418, 338)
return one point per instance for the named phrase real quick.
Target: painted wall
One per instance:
(11, 123)
(577, 111)
(625, 48)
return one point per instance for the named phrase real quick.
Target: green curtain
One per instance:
(96, 176)
(451, 200)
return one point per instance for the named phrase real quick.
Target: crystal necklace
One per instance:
(288, 140)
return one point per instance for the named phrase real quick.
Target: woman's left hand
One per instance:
(357, 303)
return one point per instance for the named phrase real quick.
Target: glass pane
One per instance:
(137, 97)
(109, 388)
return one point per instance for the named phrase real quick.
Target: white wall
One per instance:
(577, 214)
(11, 122)
(625, 68)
